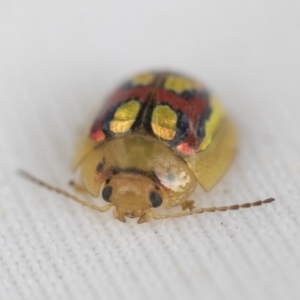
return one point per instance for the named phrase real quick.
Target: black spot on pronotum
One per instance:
(106, 193)
(99, 167)
(155, 199)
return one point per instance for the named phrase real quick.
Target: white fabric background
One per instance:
(59, 60)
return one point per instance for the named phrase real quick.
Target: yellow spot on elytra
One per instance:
(213, 123)
(125, 116)
(164, 121)
(143, 79)
(180, 84)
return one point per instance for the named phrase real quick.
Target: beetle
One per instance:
(158, 136)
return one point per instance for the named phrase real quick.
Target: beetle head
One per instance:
(132, 194)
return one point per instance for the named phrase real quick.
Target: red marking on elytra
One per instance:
(97, 136)
(185, 149)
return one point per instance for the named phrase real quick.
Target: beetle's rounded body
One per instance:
(156, 137)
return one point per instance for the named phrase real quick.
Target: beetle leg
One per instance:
(188, 204)
(118, 216)
(65, 193)
(145, 217)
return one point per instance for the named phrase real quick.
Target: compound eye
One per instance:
(155, 199)
(106, 193)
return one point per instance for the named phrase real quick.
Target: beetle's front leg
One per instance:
(119, 216)
(188, 204)
(145, 217)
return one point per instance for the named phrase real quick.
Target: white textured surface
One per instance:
(57, 59)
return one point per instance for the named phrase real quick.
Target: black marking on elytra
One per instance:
(148, 118)
(106, 193)
(182, 128)
(200, 127)
(187, 94)
(191, 94)
(155, 199)
(105, 124)
(140, 116)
